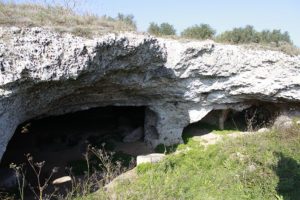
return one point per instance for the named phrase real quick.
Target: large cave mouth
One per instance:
(62, 140)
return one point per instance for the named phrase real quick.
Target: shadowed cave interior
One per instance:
(259, 115)
(62, 140)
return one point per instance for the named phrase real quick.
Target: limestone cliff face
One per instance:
(44, 73)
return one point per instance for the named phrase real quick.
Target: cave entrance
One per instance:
(62, 140)
(257, 116)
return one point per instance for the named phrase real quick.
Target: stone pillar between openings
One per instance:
(222, 118)
(164, 124)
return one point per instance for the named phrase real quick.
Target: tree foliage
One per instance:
(128, 19)
(162, 29)
(249, 34)
(167, 29)
(154, 29)
(202, 31)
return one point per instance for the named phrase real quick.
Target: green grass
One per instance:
(187, 137)
(188, 142)
(229, 128)
(295, 120)
(259, 166)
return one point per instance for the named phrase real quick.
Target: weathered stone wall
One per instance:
(44, 73)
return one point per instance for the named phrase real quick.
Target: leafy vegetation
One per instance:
(199, 32)
(154, 29)
(260, 166)
(250, 35)
(268, 40)
(163, 29)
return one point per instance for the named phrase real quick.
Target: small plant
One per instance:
(108, 167)
(102, 167)
(20, 176)
(251, 121)
(37, 169)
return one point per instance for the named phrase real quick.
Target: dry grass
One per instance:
(62, 18)
(286, 48)
(283, 47)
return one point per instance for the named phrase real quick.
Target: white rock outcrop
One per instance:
(150, 158)
(43, 73)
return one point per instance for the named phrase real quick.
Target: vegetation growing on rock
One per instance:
(65, 17)
(162, 29)
(200, 32)
(240, 168)
(249, 34)
(62, 17)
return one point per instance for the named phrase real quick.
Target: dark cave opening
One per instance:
(258, 115)
(62, 140)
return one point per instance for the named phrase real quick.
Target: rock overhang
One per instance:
(44, 73)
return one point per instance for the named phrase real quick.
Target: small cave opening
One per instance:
(61, 141)
(257, 116)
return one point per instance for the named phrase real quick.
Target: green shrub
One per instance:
(154, 29)
(167, 29)
(200, 32)
(127, 19)
(163, 29)
(250, 35)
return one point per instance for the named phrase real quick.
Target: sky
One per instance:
(220, 15)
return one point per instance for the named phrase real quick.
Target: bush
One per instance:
(250, 35)
(163, 29)
(200, 32)
(127, 19)
(154, 29)
(167, 29)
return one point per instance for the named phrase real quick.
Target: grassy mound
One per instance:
(259, 166)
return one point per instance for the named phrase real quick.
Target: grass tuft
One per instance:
(62, 17)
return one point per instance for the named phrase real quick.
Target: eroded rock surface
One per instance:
(44, 73)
